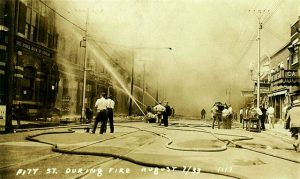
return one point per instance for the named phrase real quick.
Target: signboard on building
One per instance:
(2, 117)
(33, 48)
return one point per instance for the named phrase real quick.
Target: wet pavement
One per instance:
(186, 149)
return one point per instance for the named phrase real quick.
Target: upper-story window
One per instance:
(36, 22)
(22, 18)
(33, 27)
(295, 56)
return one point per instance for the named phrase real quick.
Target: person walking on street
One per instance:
(203, 112)
(159, 109)
(110, 113)
(217, 114)
(271, 119)
(166, 114)
(263, 117)
(293, 117)
(89, 116)
(241, 115)
(101, 105)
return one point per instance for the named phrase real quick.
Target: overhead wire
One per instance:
(62, 16)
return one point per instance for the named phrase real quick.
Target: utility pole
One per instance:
(259, 14)
(258, 64)
(131, 87)
(144, 66)
(9, 72)
(85, 64)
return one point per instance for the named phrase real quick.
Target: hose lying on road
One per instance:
(234, 141)
(55, 148)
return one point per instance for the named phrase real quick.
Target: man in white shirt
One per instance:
(110, 113)
(159, 109)
(293, 116)
(101, 105)
(271, 119)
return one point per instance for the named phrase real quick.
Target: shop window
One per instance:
(28, 83)
(65, 87)
(3, 56)
(2, 36)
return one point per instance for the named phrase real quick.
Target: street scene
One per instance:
(149, 89)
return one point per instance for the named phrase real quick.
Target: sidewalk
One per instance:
(39, 123)
(279, 131)
(64, 120)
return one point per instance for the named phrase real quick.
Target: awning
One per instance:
(278, 93)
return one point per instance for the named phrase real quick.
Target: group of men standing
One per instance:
(222, 113)
(161, 115)
(262, 113)
(104, 112)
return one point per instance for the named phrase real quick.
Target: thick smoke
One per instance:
(213, 43)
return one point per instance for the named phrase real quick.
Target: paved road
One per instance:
(186, 149)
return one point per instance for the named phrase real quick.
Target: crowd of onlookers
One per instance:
(223, 113)
(290, 118)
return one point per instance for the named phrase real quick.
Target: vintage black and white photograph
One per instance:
(149, 89)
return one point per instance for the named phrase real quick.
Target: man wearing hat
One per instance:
(294, 117)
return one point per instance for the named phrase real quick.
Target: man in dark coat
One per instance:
(89, 116)
(166, 114)
(203, 112)
(263, 117)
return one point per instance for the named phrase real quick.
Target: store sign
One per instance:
(284, 74)
(33, 48)
(290, 74)
(277, 75)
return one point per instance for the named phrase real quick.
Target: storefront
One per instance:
(36, 78)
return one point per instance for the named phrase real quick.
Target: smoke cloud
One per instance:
(213, 43)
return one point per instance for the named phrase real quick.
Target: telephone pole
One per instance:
(259, 14)
(9, 71)
(84, 44)
(131, 85)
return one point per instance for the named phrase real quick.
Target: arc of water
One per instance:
(111, 70)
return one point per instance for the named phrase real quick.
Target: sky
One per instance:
(213, 42)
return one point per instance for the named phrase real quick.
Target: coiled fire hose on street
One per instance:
(55, 148)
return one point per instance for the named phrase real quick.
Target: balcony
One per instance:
(285, 78)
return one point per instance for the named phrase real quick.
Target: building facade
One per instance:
(35, 71)
(284, 74)
(48, 63)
